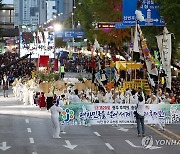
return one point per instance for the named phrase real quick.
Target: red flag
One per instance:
(43, 61)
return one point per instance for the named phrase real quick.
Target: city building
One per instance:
(64, 9)
(7, 16)
(30, 12)
(8, 32)
(51, 9)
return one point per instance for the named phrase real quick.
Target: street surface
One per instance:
(27, 130)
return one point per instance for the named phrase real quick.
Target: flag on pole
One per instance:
(136, 40)
(165, 48)
(149, 60)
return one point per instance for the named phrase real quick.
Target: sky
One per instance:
(7, 1)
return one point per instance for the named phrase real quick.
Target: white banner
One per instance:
(136, 40)
(102, 113)
(165, 48)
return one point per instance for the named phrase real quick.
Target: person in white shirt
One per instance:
(140, 101)
(167, 99)
(108, 97)
(75, 97)
(152, 100)
(55, 110)
(127, 96)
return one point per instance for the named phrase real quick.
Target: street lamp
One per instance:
(57, 27)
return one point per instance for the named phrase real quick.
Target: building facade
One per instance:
(30, 12)
(51, 9)
(64, 9)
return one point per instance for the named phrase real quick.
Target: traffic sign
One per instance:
(149, 9)
(70, 34)
(111, 25)
(106, 25)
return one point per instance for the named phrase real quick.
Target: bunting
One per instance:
(149, 59)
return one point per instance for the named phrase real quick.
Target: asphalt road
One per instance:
(27, 130)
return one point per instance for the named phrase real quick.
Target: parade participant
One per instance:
(139, 92)
(140, 101)
(152, 100)
(161, 124)
(25, 94)
(60, 101)
(41, 100)
(132, 97)
(173, 99)
(127, 96)
(55, 110)
(5, 85)
(100, 96)
(75, 97)
(167, 99)
(108, 97)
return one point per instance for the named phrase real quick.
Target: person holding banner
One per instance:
(140, 101)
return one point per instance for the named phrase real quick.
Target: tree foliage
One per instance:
(90, 12)
(170, 10)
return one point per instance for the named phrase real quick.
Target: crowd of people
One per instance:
(17, 69)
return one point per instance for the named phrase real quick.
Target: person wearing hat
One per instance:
(55, 110)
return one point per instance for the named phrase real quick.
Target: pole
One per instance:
(73, 24)
(73, 30)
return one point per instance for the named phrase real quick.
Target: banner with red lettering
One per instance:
(99, 113)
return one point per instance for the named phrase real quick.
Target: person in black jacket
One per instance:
(5, 85)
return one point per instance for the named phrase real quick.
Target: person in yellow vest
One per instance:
(62, 71)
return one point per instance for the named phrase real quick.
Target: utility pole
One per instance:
(73, 23)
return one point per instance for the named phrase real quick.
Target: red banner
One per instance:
(43, 61)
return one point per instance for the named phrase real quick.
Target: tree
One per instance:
(90, 12)
(170, 10)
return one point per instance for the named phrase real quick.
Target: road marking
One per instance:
(69, 145)
(123, 129)
(29, 130)
(131, 144)
(97, 134)
(27, 121)
(31, 140)
(109, 146)
(165, 136)
(4, 146)
(172, 133)
(34, 152)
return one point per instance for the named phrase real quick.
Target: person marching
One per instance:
(55, 110)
